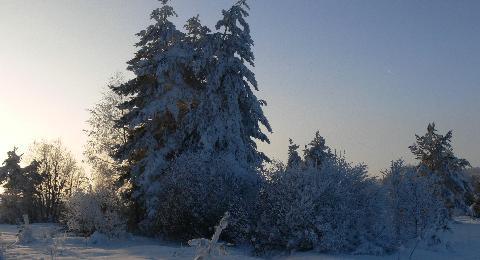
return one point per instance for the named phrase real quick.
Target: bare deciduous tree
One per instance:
(61, 176)
(104, 136)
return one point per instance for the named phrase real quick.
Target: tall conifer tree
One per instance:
(436, 156)
(191, 97)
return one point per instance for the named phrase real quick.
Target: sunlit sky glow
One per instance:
(367, 74)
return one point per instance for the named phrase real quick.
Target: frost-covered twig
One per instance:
(3, 248)
(25, 232)
(206, 247)
(415, 247)
(58, 243)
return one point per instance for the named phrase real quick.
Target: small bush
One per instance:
(193, 195)
(415, 205)
(95, 211)
(331, 208)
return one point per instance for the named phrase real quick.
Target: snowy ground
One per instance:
(462, 243)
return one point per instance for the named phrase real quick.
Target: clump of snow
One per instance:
(98, 238)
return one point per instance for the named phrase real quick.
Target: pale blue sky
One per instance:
(367, 74)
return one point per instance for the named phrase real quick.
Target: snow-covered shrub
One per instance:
(473, 175)
(97, 210)
(208, 247)
(195, 193)
(416, 210)
(82, 213)
(332, 208)
(475, 208)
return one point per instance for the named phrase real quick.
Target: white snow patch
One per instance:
(462, 243)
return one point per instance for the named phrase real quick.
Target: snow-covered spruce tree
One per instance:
(414, 209)
(334, 207)
(192, 104)
(435, 153)
(316, 152)
(294, 160)
(235, 110)
(21, 184)
(226, 121)
(155, 94)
